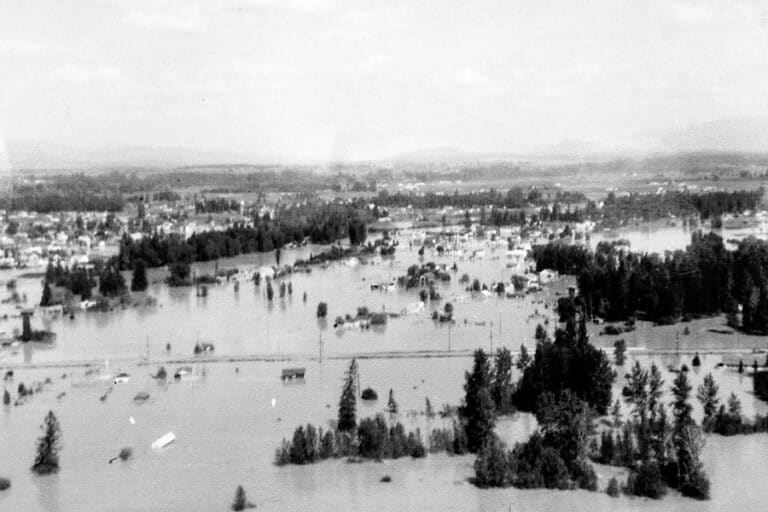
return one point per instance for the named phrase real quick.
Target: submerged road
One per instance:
(275, 358)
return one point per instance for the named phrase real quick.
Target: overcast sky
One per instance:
(336, 79)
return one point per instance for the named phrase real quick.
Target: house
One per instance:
(547, 276)
(292, 373)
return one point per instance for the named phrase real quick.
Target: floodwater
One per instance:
(227, 431)
(227, 428)
(658, 238)
(245, 322)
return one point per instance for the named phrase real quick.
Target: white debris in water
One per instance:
(274, 401)
(133, 421)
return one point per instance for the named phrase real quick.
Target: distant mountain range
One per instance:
(748, 135)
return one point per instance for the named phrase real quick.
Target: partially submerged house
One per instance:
(293, 373)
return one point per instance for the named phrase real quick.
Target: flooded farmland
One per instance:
(230, 416)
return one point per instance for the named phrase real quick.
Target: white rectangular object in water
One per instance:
(163, 441)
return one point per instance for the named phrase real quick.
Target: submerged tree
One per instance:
(478, 410)
(139, 281)
(501, 387)
(707, 395)
(46, 299)
(619, 352)
(48, 446)
(688, 442)
(391, 403)
(241, 500)
(348, 402)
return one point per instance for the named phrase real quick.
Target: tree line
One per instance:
(321, 224)
(703, 279)
(515, 197)
(679, 203)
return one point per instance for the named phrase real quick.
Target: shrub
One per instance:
(491, 466)
(416, 447)
(760, 385)
(369, 394)
(6, 397)
(607, 448)
(4, 484)
(696, 360)
(322, 310)
(584, 475)
(646, 481)
(619, 351)
(613, 488)
(696, 486)
(386, 479)
(327, 448)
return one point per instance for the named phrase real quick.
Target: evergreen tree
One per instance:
(501, 387)
(619, 352)
(688, 442)
(139, 281)
(111, 282)
(428, 410)
(391, 403)
(48, 446)
(524, 359)
(348, 403)
(478, 409)
(46, 299)
(707, 395)
(241, 500)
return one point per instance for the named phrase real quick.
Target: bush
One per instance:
(492, 465)
(4, 484)
(416, 447)
(322, 310)
(696, 486)
(584, 475)
(613, 488)
(646, 481)
(760, 385)
(369, 394)
(386, 479)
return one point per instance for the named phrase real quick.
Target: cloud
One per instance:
(18, 47)
(473, 81)
(71, 73)
(293, 6)
(183, 23)
(374, 63)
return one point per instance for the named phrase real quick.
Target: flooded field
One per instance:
(245, 322)
(227, 428)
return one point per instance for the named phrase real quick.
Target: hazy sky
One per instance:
(334, 79)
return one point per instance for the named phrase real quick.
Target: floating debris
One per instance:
(121, 378)
(163, 441)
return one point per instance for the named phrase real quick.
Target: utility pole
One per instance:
(491, 337)
(147, 350)
(449, 335)
(320, 346)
